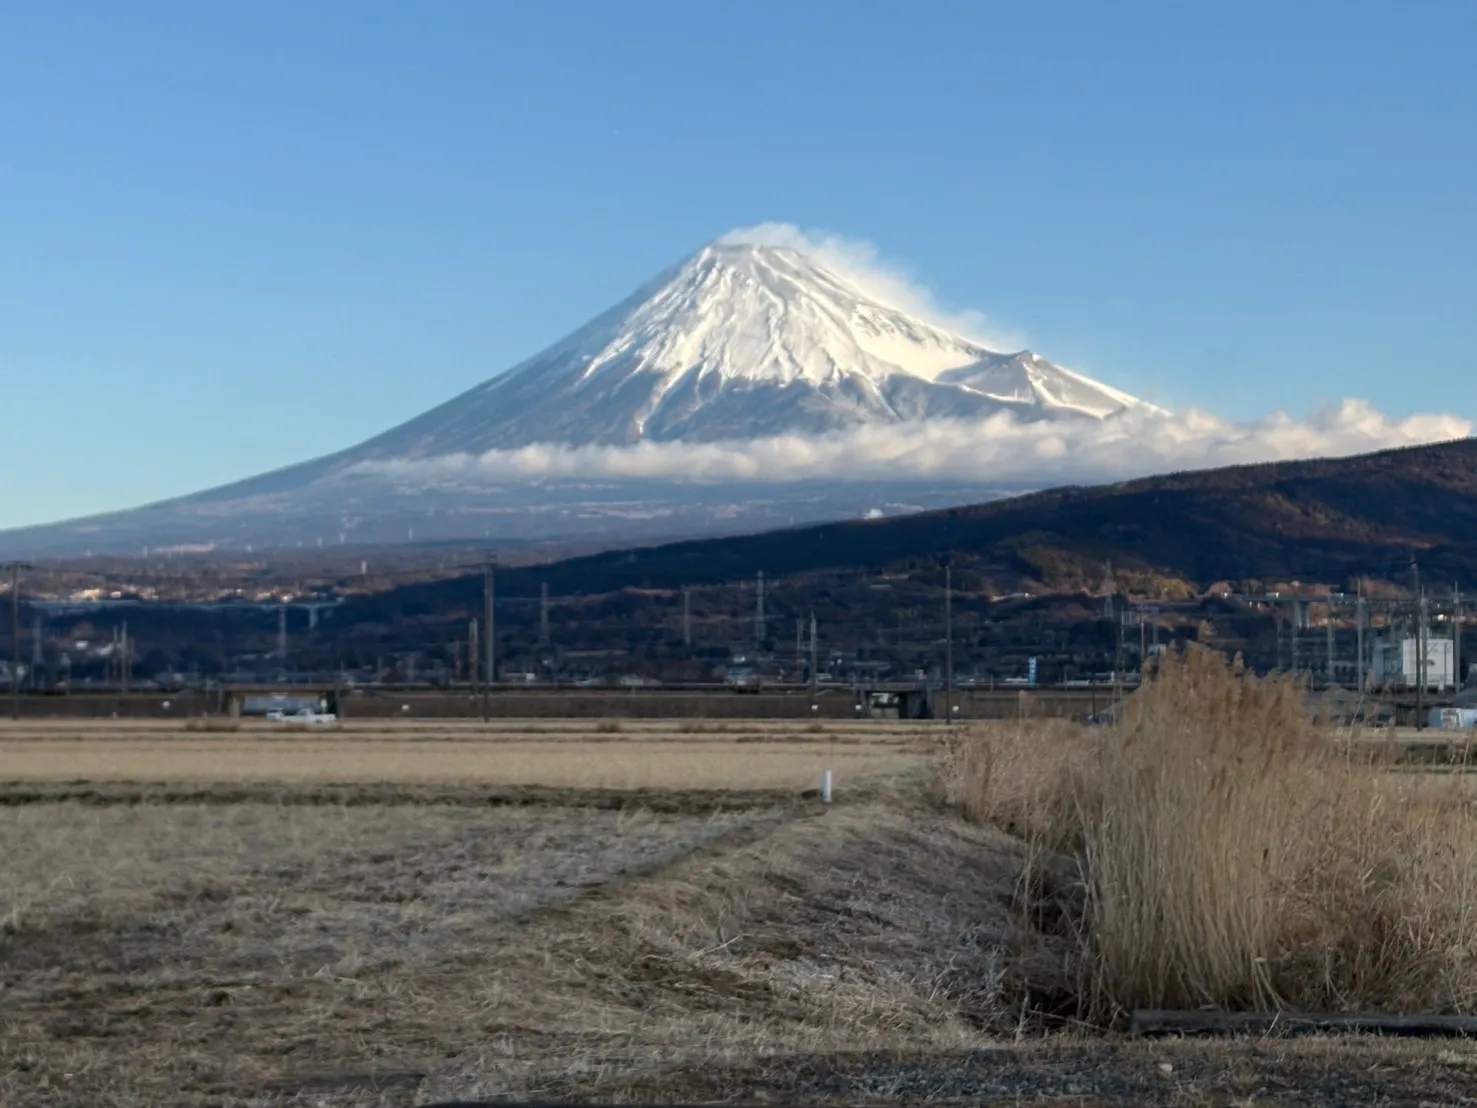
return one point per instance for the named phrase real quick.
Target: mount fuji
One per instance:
(743, 342)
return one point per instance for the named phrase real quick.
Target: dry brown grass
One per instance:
(1220, 851)
(379, 946)
(630, 763)
(264, 954)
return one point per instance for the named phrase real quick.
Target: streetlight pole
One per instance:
(15, 637)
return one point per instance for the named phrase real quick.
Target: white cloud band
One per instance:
(998, 449)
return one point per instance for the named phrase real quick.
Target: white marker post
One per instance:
(825, 786)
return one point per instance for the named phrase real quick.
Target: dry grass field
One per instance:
(396, 915)
(605, 756)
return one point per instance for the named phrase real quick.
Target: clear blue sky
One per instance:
(233, 236)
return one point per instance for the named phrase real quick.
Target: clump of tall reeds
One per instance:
(1221, 850)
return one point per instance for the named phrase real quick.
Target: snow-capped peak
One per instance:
(750, 312)
(745, 340)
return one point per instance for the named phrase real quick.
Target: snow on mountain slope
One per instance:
(744, 341)
(1029, 380)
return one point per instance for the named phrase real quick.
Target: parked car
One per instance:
(302, 718)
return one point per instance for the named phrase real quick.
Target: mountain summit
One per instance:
(745, 341)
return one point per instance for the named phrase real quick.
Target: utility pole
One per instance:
(543, 614)
(15, 637)
(686, 615)
(1456, 639)
(1420, 648)
(948, 644)
(474, 654)
(1328, 625)
(814, 682)
(759, 608)
(1118, 657)
(1359, 617)
(489, 671)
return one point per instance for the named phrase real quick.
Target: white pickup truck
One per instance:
(305, 717)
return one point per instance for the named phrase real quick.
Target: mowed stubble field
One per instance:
(399, 914)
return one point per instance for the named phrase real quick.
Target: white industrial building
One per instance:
(1396, 662)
